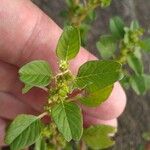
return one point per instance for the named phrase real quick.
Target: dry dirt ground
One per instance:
(136, 118)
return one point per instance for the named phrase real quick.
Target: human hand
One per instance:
(26, 33)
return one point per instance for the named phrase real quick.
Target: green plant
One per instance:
(94, 83)
(125, 45)
(82, 14)
(91, 86)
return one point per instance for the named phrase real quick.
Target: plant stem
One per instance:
(42, 115)
(82, 146)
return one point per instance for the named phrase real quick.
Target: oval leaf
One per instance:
(23, 131)
(135, 63)
(36, 73)
(138, 84)
(116, 25)
(97, 74)
(69, 43)
(98, 137)
(145, 45)
(68, 119)
(106, 46)
(41, 144)
(96, 98)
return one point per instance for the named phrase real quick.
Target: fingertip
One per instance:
(89, 120)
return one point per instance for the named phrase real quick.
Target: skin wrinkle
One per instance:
(9, 101)
(30, 40)
(88, 120)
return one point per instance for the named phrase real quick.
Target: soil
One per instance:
(136, 118)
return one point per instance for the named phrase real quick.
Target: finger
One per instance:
(36, 38)
(88, 120)
(10, 83)
(3, 125)
(10, 107)
(112, 107)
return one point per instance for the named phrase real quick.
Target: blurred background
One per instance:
(136, 118)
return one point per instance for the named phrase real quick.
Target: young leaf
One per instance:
(98, 74)
(23, 132)
(116, 26)
(40, 144)
(36, 73)
(138, 84)
(98, 137)
(135, 63)
(69, 43)
(145, 45)
(106, 46)
(96, 98)
(68, 119)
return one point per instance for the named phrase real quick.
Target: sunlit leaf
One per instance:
(98, 137)
(93, 99)
(36, 73)
(69, 43)
(68, 119)
(23, 132)
(98, 74)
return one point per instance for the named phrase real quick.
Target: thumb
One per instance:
(26, 34)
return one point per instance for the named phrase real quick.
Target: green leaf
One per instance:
(27, 88)
(102, 3)
(147, 81)
(138, 84)
(135, 63)
(70, 3)
(23, 132)
(106, 46)
(84, 29)
(40, 144)
(68, 119)
(98, 74)
(105, 3)
(125, 82)
(96, 98)
(146, 136)
(69, 43)
(36, 73)
(134, 25)
(145, 45)
(98, 137)
(116, 26)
